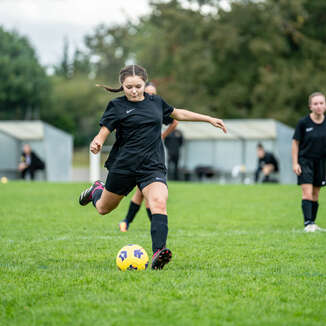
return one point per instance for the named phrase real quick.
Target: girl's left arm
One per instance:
(99, 139)
(185, 115)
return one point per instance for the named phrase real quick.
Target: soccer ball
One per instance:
(132, 257)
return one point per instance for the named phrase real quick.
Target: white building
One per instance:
(233, 155)
(52, 145)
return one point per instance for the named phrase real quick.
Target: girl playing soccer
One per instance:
(137, 156)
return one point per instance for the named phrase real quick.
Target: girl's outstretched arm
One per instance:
(185, 115)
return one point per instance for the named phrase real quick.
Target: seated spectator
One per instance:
(29, 163)
(267, 164)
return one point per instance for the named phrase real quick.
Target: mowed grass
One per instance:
(240, 258)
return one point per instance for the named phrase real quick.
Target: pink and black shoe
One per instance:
(86, 196)
(161, 258)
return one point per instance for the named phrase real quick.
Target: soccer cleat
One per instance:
(124, 225)
(161, 258)
(86, 196)
(310, 228)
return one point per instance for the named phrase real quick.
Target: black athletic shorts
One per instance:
(122, 184)
(313, 172)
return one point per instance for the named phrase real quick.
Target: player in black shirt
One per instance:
(173, 143)
(138, 197)
(308, 157)
(137, 156)
(267, 164)
(29, 162)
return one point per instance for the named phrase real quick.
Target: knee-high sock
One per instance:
(159, 231)
(307, 211)
(314, 210)
(149, 214)
(96, 195)
(132, 211)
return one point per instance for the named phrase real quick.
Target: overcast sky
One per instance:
(47, 22)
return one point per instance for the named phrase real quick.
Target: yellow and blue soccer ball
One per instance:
(132, 257)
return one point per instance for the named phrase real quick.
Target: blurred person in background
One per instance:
(138, 197)
(137, 156)
(29, 163)
(308, 158)
(267, 164)
(173, 143)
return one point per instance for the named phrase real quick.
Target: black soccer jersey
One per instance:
(311, 137)
(138, 147)
(268, 158)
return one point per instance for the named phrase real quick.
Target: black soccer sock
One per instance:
(159, 231)
(132, 211)
(149, 214)
(315, 206)
(96, 195)
(307, 211)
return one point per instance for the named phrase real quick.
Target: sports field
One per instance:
(240, 258)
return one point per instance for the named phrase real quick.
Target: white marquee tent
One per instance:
(205, 145)
(52, 145)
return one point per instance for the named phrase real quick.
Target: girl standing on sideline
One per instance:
(137, 156)
(138, 197)
(308, 157)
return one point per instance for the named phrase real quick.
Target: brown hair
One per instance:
(131, 70)
(313, 95)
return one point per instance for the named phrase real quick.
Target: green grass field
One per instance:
(240, 258)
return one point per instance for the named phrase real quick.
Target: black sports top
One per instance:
(311, 137)
(268, 158)
(138, 147)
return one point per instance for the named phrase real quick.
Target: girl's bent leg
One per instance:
(307, 204)
(315, 205)
(156, 195)
(133, 209)
(108, 202)
(138, 197)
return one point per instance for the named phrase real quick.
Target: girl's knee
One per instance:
(158, 203)
(105, 207)
(102, 211)
(307, 196)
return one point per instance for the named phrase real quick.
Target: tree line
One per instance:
(255, 59)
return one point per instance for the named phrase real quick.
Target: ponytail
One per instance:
(131, 70)
(110, 89)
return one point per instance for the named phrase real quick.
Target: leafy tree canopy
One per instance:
(254, 59)
(24, 86)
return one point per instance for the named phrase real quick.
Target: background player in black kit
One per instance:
(137, 156)
(138, 197)
(267, 163)
(308, 157)
(29, 162)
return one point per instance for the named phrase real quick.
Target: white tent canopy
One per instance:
(205, 145)
(52, 145)
(237, 129)
(23, 130)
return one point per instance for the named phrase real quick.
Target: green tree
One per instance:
(76, 106)
(256, 59)
(65, 67)
(108, 50)
(24, 86)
